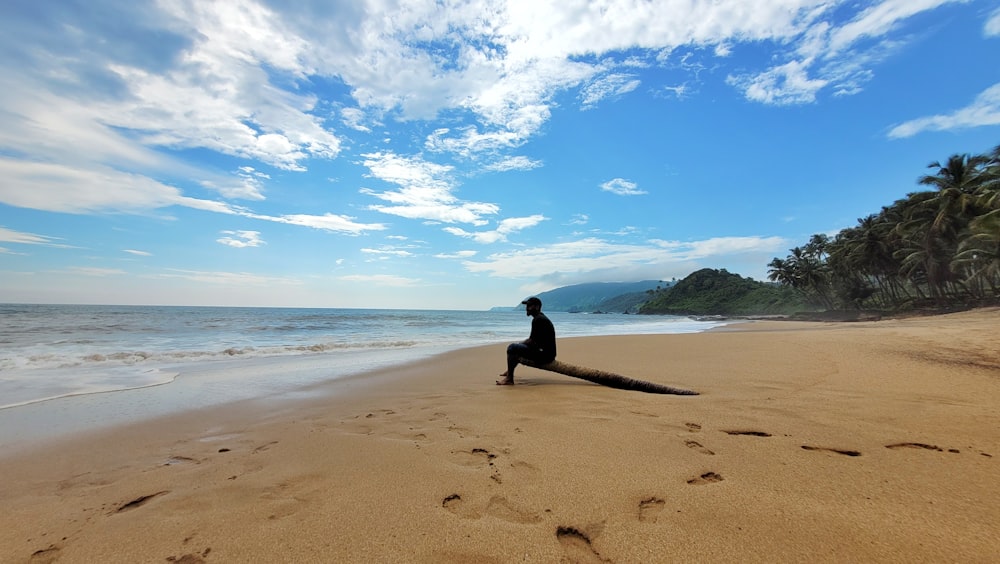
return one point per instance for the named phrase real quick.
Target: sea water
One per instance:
(106, 364)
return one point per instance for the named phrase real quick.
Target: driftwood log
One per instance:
(609, 379)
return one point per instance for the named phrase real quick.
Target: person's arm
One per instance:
(531, 341)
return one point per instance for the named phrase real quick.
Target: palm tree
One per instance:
(979, 254)
(936, 220)
(781, 271)
(943, 243)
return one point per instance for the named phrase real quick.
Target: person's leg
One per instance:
(514, 352)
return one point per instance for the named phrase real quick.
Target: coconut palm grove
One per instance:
(937, 248)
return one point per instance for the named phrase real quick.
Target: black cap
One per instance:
(533, 300)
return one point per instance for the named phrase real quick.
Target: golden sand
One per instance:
(818, 442)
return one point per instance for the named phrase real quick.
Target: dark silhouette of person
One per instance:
(538, 348)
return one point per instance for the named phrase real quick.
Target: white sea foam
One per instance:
(115, 363)
(52, 384)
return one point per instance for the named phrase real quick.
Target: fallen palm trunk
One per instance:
(609, 379)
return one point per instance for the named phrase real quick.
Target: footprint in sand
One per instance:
(698, 447)
(693, 427)
(455, 504)
(834, 450)
(139, 501)
(750, 433)
(650, 508)
(46, 555)
(498, 506)
(474, 457)
(502, 508)
(918, 445)
(190, 558)
(263, 447)
(578, 547)
(706, 478)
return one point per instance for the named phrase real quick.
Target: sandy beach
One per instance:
(819, 442)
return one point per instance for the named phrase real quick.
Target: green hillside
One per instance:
(718, 292)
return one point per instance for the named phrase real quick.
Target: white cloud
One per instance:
(824, 55)
(784, 84)
(877, 20)
(327, 222)
(248, 187)
(229, 279)
(241, 239)
(592, 255)
(11, 236)
(504, 228)
(389, 280)
(513, 163)
(612, 85)
(58, 188)
(425, 191)
(457, 255)
(354, 118)
(137, 253)
(219, 94)
(622, 187)
(61, 188)
(387, 252)
(235, 78)
(96, 272)
(992, 27)
(984, 110)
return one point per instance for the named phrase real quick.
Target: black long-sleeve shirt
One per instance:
(543, 337)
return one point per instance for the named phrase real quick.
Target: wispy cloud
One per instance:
(389, 280)
(241, 239)
(137, 253)
(823, 55)
(457, 255)
(218, 94)
(233, 279)
(783, 84)
(386, 252)
(233, 79)
(95, 272)
(513, 163)
(609, 86)
(622, 187)
(61, 188)
(24, 238)
(505, 228)
(984, 110)
(425, 191)
(326, 222)
(591, 255)
(992, 27)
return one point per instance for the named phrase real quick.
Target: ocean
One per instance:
(106, 364)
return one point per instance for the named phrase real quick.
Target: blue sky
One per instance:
(460, 155)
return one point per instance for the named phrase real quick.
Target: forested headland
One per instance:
(936, 249)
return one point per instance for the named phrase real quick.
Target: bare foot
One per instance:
(505, 380)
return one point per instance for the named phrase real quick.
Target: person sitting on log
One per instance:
(540, 346)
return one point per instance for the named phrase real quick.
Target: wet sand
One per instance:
(821, 442)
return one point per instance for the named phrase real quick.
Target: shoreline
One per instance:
(827, 442)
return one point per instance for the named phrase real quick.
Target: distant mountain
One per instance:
(608, 297)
